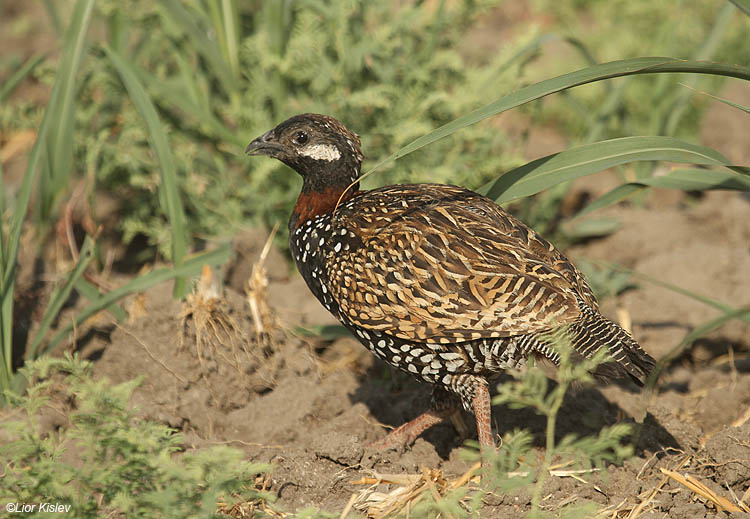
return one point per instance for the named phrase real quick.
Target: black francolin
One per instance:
(436, 280)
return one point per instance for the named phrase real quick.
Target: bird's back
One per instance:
(441, 265)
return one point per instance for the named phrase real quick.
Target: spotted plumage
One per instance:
(436, 280)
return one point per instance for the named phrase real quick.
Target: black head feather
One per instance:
(318, 147)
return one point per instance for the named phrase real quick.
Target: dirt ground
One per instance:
(310, 406)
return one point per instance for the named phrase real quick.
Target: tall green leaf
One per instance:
(160, 144)
(613, 69)
(693, 335)
(679, 105)
(684, 179)
(187, 21)
(60, 295)
(742, 5)
(551, 170)
(727, 102)
(59, 140)
(19, 75)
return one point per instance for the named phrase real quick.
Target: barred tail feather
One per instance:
(594, 331)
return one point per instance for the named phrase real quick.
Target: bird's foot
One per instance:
(408, 433)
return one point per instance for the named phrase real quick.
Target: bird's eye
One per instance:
(300, 137)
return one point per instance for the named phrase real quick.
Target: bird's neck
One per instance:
(313, 203)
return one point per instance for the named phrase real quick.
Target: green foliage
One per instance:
(51, 154)
(532, 391)
(107, 461)
(710, 31)
(396, 72)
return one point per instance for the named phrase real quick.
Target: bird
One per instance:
(436, 280)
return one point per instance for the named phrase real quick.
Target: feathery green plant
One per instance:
(532, 391)
(123, 466)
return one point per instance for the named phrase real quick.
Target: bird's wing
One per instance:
(442, 264)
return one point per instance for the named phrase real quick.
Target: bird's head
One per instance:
(318, 147)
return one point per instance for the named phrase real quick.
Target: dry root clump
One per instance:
(216, 332)
(248, 344)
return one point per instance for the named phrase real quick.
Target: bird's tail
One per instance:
(628, 359)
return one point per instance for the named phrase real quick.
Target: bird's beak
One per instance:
(263, 145)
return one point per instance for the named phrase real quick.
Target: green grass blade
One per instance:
(695, 179)
(15, 79)
(706, 51)
(225, 19)
(59, 156)
(54, 15)
(9, 247)
(210, 51)
(6, 352)
(745, 109)
(170, 96)
(742, 5)
(22, 204)
(6, 305)
(90, 292)
(551, 170)
(48, 134)
(692, 336)
(160, 144)
(674, 288)
(616, 195)
(591, 228)
(60, 295)
(628, 67)
(190, 267)
(685, 179)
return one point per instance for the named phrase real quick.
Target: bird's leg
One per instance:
(481, 405)
(444, 405)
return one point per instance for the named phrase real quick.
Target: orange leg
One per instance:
(481, 406)
(410, 431)
(445, 406)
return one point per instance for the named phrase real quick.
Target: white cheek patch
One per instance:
(327, 152)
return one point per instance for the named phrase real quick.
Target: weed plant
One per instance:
(106, 461)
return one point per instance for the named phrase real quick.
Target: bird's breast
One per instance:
(318, 245)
